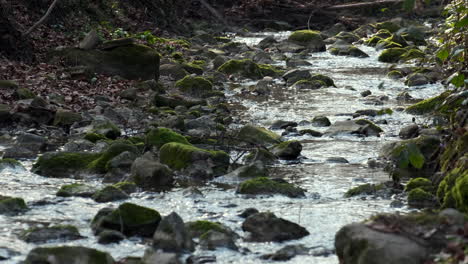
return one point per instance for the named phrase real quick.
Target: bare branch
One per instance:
(51, 7)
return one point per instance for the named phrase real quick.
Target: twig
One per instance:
(214, 12)
(51, 7)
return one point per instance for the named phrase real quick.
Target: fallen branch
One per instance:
(51, 7)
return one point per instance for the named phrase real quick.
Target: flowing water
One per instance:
(323, 211)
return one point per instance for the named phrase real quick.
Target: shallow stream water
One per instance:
(323, 211)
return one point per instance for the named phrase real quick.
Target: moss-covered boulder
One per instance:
(127, 187)
(200, 227)
(249, 69)
(132, 61)
(66, 118)
(106, 128)
(309, 38)
(372, 41)
(347, 36)
(10, 163)
(63, 164)
(179, 156)
(94, 137)
(128, 218)
(420, 198)
(428, 105)
(12, 205)
(261, 154)
(391, 55)
(193, 68)
(195, 86)
(452, 191)
(258, 135)
(76, 189)
(422, 183)
(109, 194)
(45, 234)
(175, 100)
(387, 25)
(263, 185)
(308, 84)
(395, 74)
(68, 254)
(363, 189)
(413, 54)
(287, 150)
(159, 136)
(147, 173)
(323, 78)
(100, 164)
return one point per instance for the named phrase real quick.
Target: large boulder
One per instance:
(258, 135)
(159, 136)
(63, 164)
(132, 61)
(44, 234)
(76, 189)
(12, 205)
(360, 126)
(265, 227)
(195, 86)
(172, 236)
(287, 150)
(68, 254)
(128, 218)
(148, 173)
(308, 38)
(248, 69)
(263, 185)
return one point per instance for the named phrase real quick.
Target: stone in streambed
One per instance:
(11, 164)
(266, 186)
(308, 38)
(287, 150)
(11, 205)
(68, 254)
(258, 135)
(110, 236)
(109, 194)
(172, 236)
(76, 189)
(265, 227)
(44, 234)
(212, 240)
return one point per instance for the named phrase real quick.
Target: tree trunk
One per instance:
(12, 44)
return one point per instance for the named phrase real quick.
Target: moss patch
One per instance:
(196, 86)
(94, 137)
(263, 185)
(422, 183)
(76, 189)
(99, 165)
(364, 189)
(11, 205)
(10, 163)
(160, 136)
(133, 215)
(323, 78)
(391, 55)
(428, 105)
(63, 164)
(304, 36)
(198, 228)
(258, 135)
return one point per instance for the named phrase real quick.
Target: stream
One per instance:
(322, 212)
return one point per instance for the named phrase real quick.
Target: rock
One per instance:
(347, 36)
(308, 38)
(175, 100)
(76, 189)
(195, 86)
(252, 170)
(417, 79)
(11, 205)
(295, 75)
(264, 86)
(200, 259)
(10, 164)
(266, 186)
(321, 121)
(110, 237)
(366, 93)
(258, 135)
(344, 49)
(147, 173)
(115, 43)
(248, 212)
(265, 227)
(290, 47)
(63, 164)
(91, 40)
(287, 150)
(261, 154)
(280, 124)
(119, 166)
(32, 142)
(262, 58)
(200, 227)
(159, 136)
(419, 198)
(212, 240)
(102, 162)
(323, 78)
(337, 160)
(180, 156)
(428, 105)
(267, 42)
(128, 218)
(103, 126)
(287, 253)
(17, 152)
(410, 131)
(66, 118)
(310, 132)
(248, 69)
(422, 183)
(360, 126)
(6, 253)
(132, 61)
(193, 68)
(391, 55)
(364, 189)
(45, 234)
(152, 257)
(366, 112)
(293, 63)
(109, 194)
(358, 243)
(68, 254)
(171, 235)
(395, 75)
(126, 186)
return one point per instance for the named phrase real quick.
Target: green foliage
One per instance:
(409, 154)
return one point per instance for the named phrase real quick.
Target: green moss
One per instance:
(8, 84)
(395, 74)
(178, 56)
(270, 70)
(67, 254)
(194, 85)
(10, 163)
(452, 192)
(387, 44)
(62, 163)
(193, 68)
(387, 25)
(364, 122)
(200, 227)
(422, 183)
(460, 192)
(133, 215)
(126, 186)
(66, 118)
(99, 165)
(24, 93)
(372, 41)
(304, 36)
(11, 205)
(413, 54)
(428, 105)
(391, 55)
(264, 185)
(366, 189)
(419, 195)
(106, 128)
(385, 111)
(108, 194)
(178, 156)
(94, 137)
(223, 39)
(258, 135)
(245, 68)
(325, 79)
(136, 140)
(201, 63)
(160, 136)
(314, 84)
(76, 189)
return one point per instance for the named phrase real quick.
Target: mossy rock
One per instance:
(179, 156)
(395, 74)
(455, 151)
(460, 192)
(109, 194)
(387, 44)
(8, 84)
(45, 234)
(76, 189)
(287, 150)
(364, 122)
(372, 41)
(413, 54)
(309, 84)
(385, 111)
(323, 78)
(309, 38)
(68, 254)
(66, 118)
(197, 228)
(159, 136)
(131, 61)
(95, 137)
(420, 198)
(364, 189)
(422, 183)
(63, 164)
(263, 185)
(99, 165)
(452, 192)
(10, 163)
(126, 186)
(178, 56)
(12, 205)
(391, 55)
(258, 135)
(23, 93)
(128, 218)
(193, 68)
(347, 36)
(175, 100)
(387, 25)
(248, 69)
(194, 86)
(428, 105)
(106, 128)
(261, 154)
